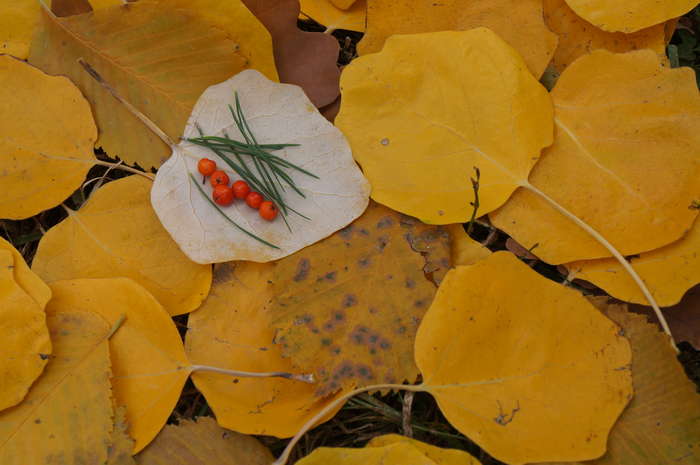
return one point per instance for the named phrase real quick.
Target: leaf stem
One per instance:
(129, 169)
(304, 378)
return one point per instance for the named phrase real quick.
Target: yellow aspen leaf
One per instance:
(46, 139)
(232, 330)
(502, 349)
(662, 422)
(326, 13)
(465, 250)
(24, 335)
(88, 245)
(438, 455)
(148, 358)
(400, 453)
(157, 57)
(668, 271)
(67, 414)
(18, 21)
(343, 4)
(26, 278)
(419, 121)
(203, 442)
(625, 160)
(99, 4)
(121, 445)
(518, 22)
(347, 308)
(578, 37)
(629, 15)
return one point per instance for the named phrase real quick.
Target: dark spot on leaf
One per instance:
(357, 338)
(373, 351)
(373, 338)
(373, 310)
(382, 242)
(385, 222)
(44, 356)
(346, 232)
(364, 232)
(302, 270)
(326, 341)
(401, 329)
(420, 303)
(328, 326)
(339, 316)
(385, 345)
(37, 421)
(364, 372)
(410, 283)
(349, 300)
(330, 276)
(364, 262)
(223, 272)
(336, 350)
(235, 380)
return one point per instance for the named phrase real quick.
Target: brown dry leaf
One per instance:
(630, 15)
(67, 415)
(121, 445)
(465, 250)
(347, 308)
(326, 13)
(46, 139)
(501, 348)
(307, 59)
(232, 330)
(683, 318)
(661, 425)
(117, 234)
(148, 358)
(203, 442)
(18, 20)
(519, 22)
(161, 77)
(578, 37)
(436, 454)
(625, 159)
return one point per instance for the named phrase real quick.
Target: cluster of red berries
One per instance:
(225, 195)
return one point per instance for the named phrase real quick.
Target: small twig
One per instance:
(304, 378)
(117, 324)
(126, 168)
(475, 203)
(406, 414)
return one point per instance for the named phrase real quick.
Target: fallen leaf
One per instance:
(162, 78)
(99, 4)
(276, 113)
(333, 17)
(347, 308)
(436, 454)
(25, 277)
(465, 250)
(67, 415)
(148, 359)
(668, 272)
(344, 4)
(392, 454)
(203, 442)
(413, 108)
(232, 330)
(578, 37)
(62, 8)
(519, 22)
(121, 445)
(18, 20)
(88, 245)
(24, 335)
(661, 423)
(624, 160)
(501, 348)
(683, 318)
(629, 16)
(306, 59)
(46, 139)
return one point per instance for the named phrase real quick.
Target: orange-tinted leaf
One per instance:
(25, 277)
(18, 20)
(393, 454)
(629, 16)
(325, 12)
(465, 250)
(121, 445)
(436, 454)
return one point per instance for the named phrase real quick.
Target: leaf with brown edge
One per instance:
(232, 330)
(661, 425)
(683, 318)
(161, 77)
(614, 163)
(203, 442)
(307, 59)
(347, 308)
(437, 454)
(500, 349)
(148, 359)
(68, 411)
(518, 22)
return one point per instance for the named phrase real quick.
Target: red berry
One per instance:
(268, 210)
(254, 199)
(219, 177)
(223, 195)
(206, 166)
(241, 189)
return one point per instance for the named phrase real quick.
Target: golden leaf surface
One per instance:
(629, 15)
(67, 415)
(518, 22)
(438, 455)
(419, 121)
(46, 139)
(158, 58)
(501, 348)
(326, 13)
(18, 20)
(465, 250)
(347, 308)
(148, 358)
(344, 4)
(232, 330)
(669, 272)
(578, 37)
(399, 453)
(117, 234)
(23, 334)
(121, 445)
(203, 442)
(25, 277)
(625, 159)
(661, 425)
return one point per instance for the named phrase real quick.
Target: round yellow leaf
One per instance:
(232, 330)
(46, 139)
(326, 13)
(523, 366)
(629, 15)
(436, 454)
(148, 358)
(23, 335)
(400, 453)
(625, 159)
(117, 234)
(18, 20)
(419, 121)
